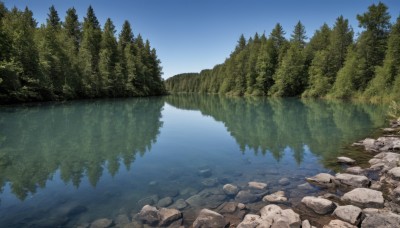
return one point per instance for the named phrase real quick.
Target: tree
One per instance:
(299, 34)
(266, 64)
(73, 27)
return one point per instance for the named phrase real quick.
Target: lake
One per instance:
(65, 164)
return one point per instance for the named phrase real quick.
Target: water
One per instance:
(68, 164)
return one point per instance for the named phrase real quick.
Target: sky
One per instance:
(192, 35)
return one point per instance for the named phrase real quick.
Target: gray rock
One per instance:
(230, 189)
(345, 160)
(241, 206)
(395, 173)
(165, 202)
(210, 182)
(272, 215)
(229, 207)
(150, 200)
(355, 170)
(352, 180)
(252, 221)
(348, 213)
(245, 196)
(322, 179)
(381, 220)
(209, 219)
(305, 186)
(338, 224)
(205, 173)
(305, 224)
(101, 223)
(179, 204)
(364, 197)
(149, 215)
(284, 181)
(122, 219)
(276, 197)
(168, 216)
(257, 185)
(319, 205)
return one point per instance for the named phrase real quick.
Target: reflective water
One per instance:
(67, 164)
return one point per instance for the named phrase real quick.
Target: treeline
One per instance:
(330, 65)
(71, 59)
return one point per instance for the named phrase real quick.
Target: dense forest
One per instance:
(331, 64)
(71, 59)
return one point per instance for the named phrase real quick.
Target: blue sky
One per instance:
(191, 35)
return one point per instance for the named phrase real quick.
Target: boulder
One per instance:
(364, 197)
(257, 185)
(395, 173)
(322, 179)
(355, 170)
(149, 215)
(381, 220)
(319, 205)
(352, 180)
(273, 216)
(209, 219)
(101, 223)
(245, 196)
(150, 200)
(165, 202)
(276, 197)
(179, 204)
(251, 221)
(229, 207)
(168, 216)
(306, 224)
(230, 189)
(345, 160)
(338, 224)
(284, 181)
(348, 213)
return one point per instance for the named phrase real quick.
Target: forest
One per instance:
(334, 63)
(70, 59)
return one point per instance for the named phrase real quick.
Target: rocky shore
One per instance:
(357, 197)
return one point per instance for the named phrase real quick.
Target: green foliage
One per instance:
(394, 110)
(64, 60)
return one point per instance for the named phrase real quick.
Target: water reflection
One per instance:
(78, 138)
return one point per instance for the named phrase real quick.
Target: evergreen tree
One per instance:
(299, 34)
(266, 64)
(73, 27)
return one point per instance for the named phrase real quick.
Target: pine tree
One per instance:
(299, 35)
(267, 62)
(73, 27)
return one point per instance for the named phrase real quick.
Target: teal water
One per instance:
(71, 163)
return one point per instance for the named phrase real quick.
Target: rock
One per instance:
(179, 204)
(374, 161)
(168, 216)
(229, 207)
(338, 224)
(351, 180)
(149, 215)
(257, 185)
(322, 179)
(230, 189)
(276, 197)
(348, 213)
(396, 192)
(376, 185)
(122, 219)
(355, 170)
(305, 186)
(284, 181)
(165, 202)
(101, 223)
(241, 206)
(319, 205)
(153, 183)
(305, 224)
(205, 173)
(150, 200)
(381, 220)
(251, 221)
(364, 197)
(272, 215)
(371, 144)
(210, 182)
(209, 219)
(395, 173)
(245, 196)
(345, 160)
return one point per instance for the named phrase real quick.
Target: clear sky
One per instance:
(191, 35)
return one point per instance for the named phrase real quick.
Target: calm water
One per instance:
(67, 164)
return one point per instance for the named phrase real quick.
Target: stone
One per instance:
(101, 223)
(374, 161)
(396, 192)
(241, 206)
(348, 213)
(319, 205)
(305, 224)
(364, 197)
(322, 179)
(168, 216)
(149, 215)
(284, 181)
(179, 204)
(257, 185)
(230, 189)
(229, 207)
(122, 219)
(205, 173)
(381, 220)
(355, 170)
(345, 160)
(210, 182)
(338, 224)
(276, 197)
(272, 215)
(376, 185)
(370, 144)
(252, 221)
(352, 180)
(150, 200)
(165, 202)
(305, 186)
(395, 173)
(245, 196)
(209, 219)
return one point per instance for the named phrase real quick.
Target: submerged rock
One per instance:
(355, 170)
(322, 179)
(205, 173)
(230, 189)
(168, 216)
(284, 181)
(149, 215)
(179, 204)
(101, 223)
(276, 197)
(351, 180)
(257, 185)
(348, 213)
(208, 219)
(364, 197)
(319, 205)
(345, 160)
(165, 202)
(338, 224)
(245, 196)
(250, 221)
(210, 182)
